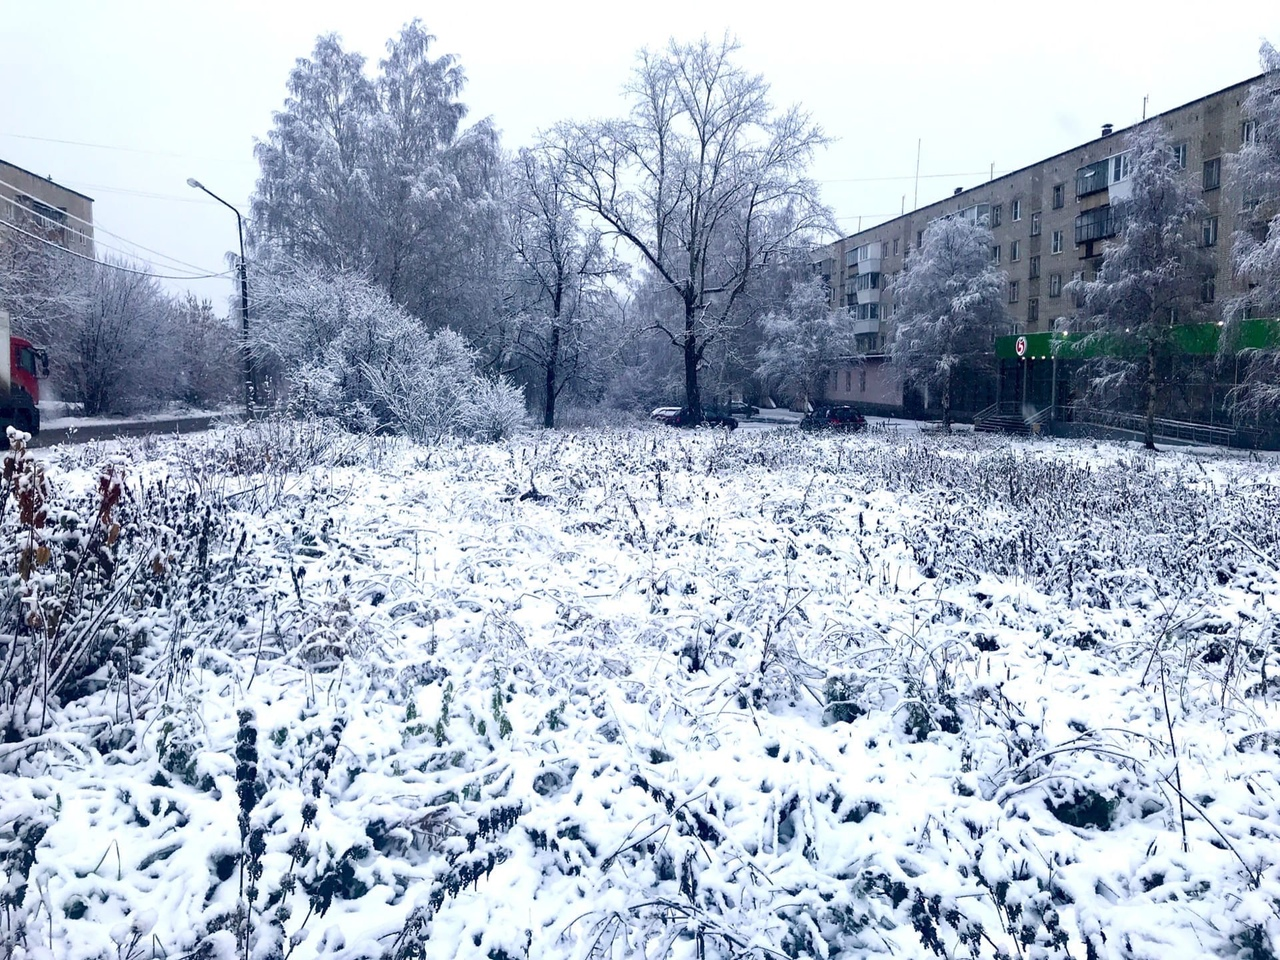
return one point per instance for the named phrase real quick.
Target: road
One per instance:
(83, 433)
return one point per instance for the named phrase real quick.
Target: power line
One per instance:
(100, 146)
(104, 263)
(98, 228)
(923, 176)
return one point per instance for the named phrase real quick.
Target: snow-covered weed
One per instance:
(648, 694)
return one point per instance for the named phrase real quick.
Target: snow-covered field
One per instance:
(645, 693)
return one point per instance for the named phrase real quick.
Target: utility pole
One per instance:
(249, 397)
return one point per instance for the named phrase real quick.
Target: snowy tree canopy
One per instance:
(804, 341)
(378, 175)
(704, 180)
(1151, 273)
(948, 308)
(1255, 252)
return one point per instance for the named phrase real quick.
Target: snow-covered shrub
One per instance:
(348, 352)
(495, 410)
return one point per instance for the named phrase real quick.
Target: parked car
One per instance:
(740, 408)
(711, 417)
(834, 418)
(664, 414)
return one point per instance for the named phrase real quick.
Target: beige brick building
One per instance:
(40, 206)
(1049, 222)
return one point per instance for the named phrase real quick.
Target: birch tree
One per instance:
(1255, 250)
(376, 174)
(704, 180)
(949, 308)
(1151, 274)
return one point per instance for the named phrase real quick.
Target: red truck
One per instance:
(19, 386)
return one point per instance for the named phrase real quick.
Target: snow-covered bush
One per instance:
(753, 696)
(494, 410)
(349, 353)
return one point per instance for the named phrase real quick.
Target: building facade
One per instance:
(1049, 224)
(46, 209)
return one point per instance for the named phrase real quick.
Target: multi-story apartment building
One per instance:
(1049, 223)
(47, 209)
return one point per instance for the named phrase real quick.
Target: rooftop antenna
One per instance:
(915, 198)
(1145, 98)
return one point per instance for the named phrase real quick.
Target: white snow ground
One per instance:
(651, 693)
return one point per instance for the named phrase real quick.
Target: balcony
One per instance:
(866, 326)
(1099, 223)
(1093, 178)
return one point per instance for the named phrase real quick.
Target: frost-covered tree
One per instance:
(377, 175)
(948, 309)
(343, 349)
(804, 341)
(1255, 251)
(205, 348)
(704, 180)
(561, 274)
(113, 348)
(1151, 274)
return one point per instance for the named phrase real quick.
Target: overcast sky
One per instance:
(125, 100)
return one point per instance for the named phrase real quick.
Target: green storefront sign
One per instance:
(1194, 338)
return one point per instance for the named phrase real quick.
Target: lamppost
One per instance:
(249, 397)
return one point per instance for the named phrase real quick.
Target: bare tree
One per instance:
(704, 181)
(1151, 273)
(949, 308)
(561, 274)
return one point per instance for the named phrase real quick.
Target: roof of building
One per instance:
(30, 173)
(1054, 156)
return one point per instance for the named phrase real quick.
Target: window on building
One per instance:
(1076, 277)
(919, 238)
(1120, 167)
(848, 381)
(1213, 173)
(1180, 155)
(1013, 291)
(1033, 267)
(1248, 131)
(1055, 245)
(851, 258)
(895, 247)
(1209, 232)
(995, 254)
(1035, 224)
(1015, 211)
(862, 379)
(1033, 309)
(1059, 195)
(1208, 290)
(997, 212)
(1015, 251)
(1055, 284)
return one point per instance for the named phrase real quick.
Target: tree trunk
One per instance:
(1149, 434)
(946, 402)
(553, 357)
(692, 394)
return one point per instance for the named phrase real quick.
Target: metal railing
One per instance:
(1184, 430)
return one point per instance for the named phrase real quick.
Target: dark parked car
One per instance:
(711, 417)
(740, 408)
(834, 418)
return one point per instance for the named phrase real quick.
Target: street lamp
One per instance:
(244, 298)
